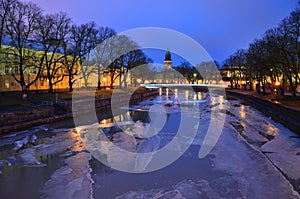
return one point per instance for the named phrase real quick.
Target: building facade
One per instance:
(9, 67)
(168, 63)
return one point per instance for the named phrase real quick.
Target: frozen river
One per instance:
(254, 157)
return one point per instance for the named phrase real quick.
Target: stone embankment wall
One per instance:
(285, 115)
(18, 120)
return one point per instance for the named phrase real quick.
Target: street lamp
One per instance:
(139, 81)
(195, 77)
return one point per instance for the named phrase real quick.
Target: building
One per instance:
(168, 63)
(9, 66)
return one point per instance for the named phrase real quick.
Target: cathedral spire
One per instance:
(168, 55)
(168, 60)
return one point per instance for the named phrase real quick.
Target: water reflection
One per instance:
(168, 100)
(242, 111)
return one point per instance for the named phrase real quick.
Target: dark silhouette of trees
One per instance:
(20, 26)
(52, 32)
(103, 53)
(5, 10)
(273, 60)
(80, 41)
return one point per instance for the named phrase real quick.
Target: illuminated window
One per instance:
(6, 83)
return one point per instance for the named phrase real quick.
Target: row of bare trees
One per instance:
(38, 43)
(272, 59)
(116, 56)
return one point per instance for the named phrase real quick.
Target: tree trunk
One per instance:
(99, 84)
(99, 77)
(294, 91)
(85, 81)
(70, 85)
(231, 84)
(264, 86)
(71, 88)
(50, 86)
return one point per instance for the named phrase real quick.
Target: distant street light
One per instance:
(139, 81)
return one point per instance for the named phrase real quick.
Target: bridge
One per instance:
(196, 87)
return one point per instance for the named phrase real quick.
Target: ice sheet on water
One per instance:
(284, 151)
(14, 134)
(28, 156)
(236, 157)
(73, 181)
(194, 101)
(168, 108)
(147, 147)
(118, 123)
(56, 144)
(219, 188)
(61, 130)
(42, 127)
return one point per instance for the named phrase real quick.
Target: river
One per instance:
(254, 157)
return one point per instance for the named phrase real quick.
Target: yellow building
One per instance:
(9, 66)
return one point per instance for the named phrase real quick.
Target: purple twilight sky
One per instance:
(220, 26)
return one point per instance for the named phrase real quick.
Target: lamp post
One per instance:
(195, 77)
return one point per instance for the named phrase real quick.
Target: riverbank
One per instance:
(282, 109)
(44, 112)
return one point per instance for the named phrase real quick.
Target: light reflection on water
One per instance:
(110, 183)
(242, 111)
(171, 101)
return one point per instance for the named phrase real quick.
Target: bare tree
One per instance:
(21, 25)
(290, 28)
(87, 68)
(82, 40)
(275, 56)
(123, 55)
(103, 52)
(51, 34)
(131, 60)
(5, 9)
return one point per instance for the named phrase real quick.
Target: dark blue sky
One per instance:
(220, 26)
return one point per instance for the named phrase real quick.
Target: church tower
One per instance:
(168, 60)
